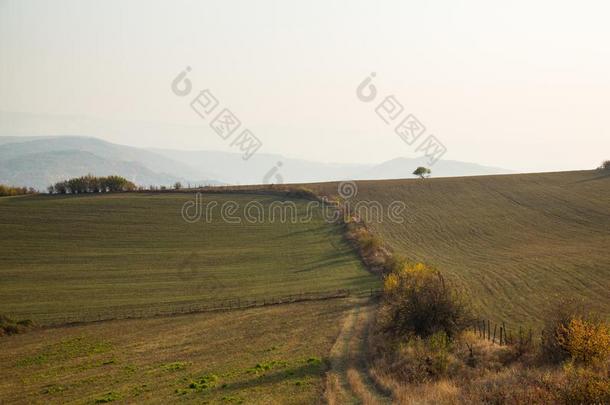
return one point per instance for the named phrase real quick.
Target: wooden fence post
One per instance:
(520, 335)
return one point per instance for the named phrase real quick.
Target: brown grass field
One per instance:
(515, 242)
(268, 355)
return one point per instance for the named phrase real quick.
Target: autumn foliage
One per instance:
(418, 302)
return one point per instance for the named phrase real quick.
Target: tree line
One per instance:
(6, 191)
(92, 184)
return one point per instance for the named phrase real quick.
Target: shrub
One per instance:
(571, 334)
(370, 243)
(418, 302)
(205, 382)
(395, 263)
(303, 192)
(9, 326)
(605, 165)
(584, 340)
(418, 360)
(439, 347)
(585, 386)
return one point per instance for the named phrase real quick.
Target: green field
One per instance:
(518, 243)
(268, 355)
(80, 257)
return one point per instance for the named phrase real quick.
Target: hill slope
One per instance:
(516, 242)
(77, 257)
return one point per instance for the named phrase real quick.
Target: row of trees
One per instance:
(92, 184)
(9, 190)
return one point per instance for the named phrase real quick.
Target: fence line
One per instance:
(208, 306)
(496, 333)
(502, 335)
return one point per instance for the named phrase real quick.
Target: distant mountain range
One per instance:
(38, 161)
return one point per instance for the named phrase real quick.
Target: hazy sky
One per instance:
(522, 84)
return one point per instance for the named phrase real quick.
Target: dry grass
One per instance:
(332, 390)
(348, 380)
(359, 388)
(439, 392)
(498, 375)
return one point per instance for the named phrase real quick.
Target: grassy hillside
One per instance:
(76, 257)
(517, 242)
(270, 355)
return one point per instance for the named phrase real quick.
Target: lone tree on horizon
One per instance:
(422, 172)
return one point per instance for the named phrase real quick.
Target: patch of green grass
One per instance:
(67, 349)
(174, 366)
(54, 389)
(108, 397)
(9, 326)
(82, 257)
(140, 389)
(232, 399)
(314, 360)
(204, 382)
(266, 366)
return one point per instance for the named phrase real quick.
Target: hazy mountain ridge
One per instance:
(103, 149)
(38, 161)
(41, 169)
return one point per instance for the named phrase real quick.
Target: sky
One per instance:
(522, 85)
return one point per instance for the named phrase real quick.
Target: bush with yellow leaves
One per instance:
(585, 386)
(573, 334)
(584, 340)
(418, 302)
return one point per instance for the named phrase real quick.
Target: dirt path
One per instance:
(348, 381)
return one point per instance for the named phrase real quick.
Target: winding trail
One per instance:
(348, 381)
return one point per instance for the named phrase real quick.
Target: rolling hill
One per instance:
(82, 257)
(518, 243)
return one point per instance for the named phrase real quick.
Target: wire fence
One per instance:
(501, 334)
(200, 307)
(496, 333)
